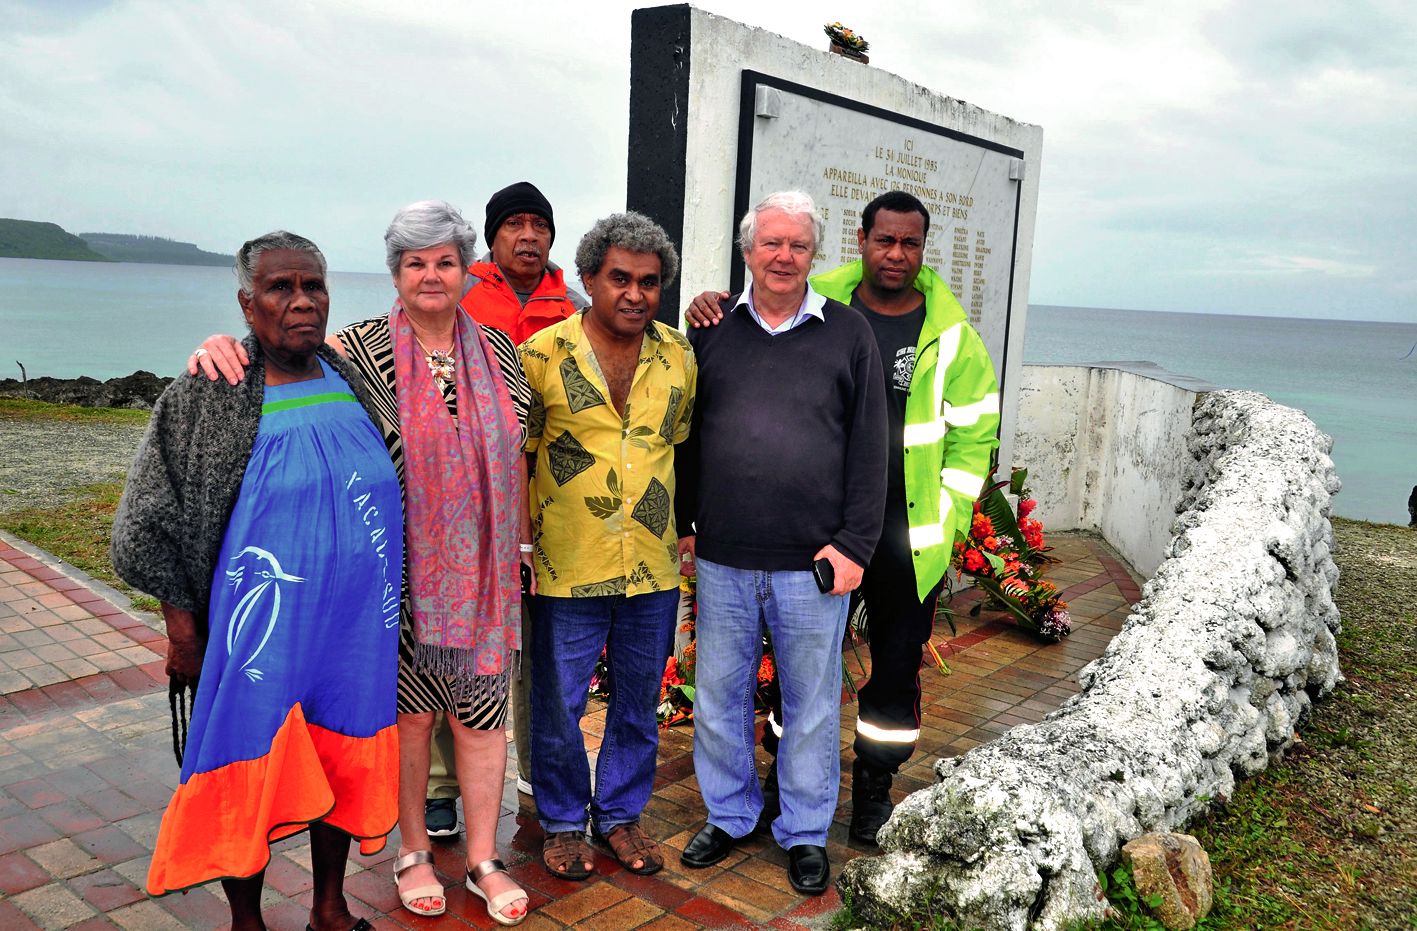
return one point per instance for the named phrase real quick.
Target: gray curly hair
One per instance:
(250, 253)
(792, 203)
(425, 224)
(631, 231)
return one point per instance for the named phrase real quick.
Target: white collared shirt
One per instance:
(812, 304)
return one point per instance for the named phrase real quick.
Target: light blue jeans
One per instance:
(806, 628)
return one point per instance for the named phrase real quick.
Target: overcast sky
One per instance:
(1255, 157)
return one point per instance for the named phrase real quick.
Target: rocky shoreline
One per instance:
(137, 391)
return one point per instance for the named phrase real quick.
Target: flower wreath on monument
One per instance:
(1004, 555)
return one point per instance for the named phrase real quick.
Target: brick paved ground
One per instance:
(86, 768)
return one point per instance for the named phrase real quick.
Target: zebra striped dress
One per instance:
(369, 347)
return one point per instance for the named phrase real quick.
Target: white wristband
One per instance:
(527, 548)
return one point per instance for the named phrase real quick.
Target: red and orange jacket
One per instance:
(492, 302)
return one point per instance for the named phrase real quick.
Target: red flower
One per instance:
(765, 671)
(981, 526)
(1026, 506)
(974, 561)
(991, 543)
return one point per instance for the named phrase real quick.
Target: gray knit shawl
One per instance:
(168, 531)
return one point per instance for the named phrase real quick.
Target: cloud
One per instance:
(1184, 143)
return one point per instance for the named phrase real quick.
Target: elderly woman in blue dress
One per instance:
(266, 518)
(452, 403)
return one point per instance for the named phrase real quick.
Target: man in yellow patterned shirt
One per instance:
(612, 391)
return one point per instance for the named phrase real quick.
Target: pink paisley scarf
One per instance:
(462, 502)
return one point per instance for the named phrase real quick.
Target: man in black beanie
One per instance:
(516, 288)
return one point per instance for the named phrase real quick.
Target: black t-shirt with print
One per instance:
(896, 337)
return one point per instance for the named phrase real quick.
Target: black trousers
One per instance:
(898, 626)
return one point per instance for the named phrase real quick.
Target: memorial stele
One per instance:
(722, 113)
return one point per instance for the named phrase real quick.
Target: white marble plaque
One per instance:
(845, 156)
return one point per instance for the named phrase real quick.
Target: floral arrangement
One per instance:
(1005, 556)
(844, 37)
(676, 686)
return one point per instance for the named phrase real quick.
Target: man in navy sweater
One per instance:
(785, 466)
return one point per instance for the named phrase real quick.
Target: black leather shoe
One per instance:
(871, 804)
(808, 869)
(708, 847)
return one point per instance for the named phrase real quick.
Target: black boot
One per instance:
(871, 804)
(772, 806)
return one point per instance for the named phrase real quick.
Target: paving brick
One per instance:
(147, 916)
(18, 873)
(24, 831)
(109, 844)
(71, 817)
(12, 919)
(35, 793)
(106, 890)
(54, 906)
(63, 858)
(200, 908)
(586, 901)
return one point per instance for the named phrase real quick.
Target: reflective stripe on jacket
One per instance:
(951, 420)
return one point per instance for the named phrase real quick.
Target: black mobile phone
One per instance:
(526, 579)
(825, 574)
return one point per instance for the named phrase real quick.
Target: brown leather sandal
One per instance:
(629, 842)
(565, 854)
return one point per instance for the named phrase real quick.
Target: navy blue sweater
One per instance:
(788, 447)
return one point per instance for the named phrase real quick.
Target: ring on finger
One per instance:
(201, 351)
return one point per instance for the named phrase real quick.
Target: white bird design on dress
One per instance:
(264, 566)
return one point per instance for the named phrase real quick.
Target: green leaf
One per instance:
(612, 482)
(687, 691)
(603, 506)
(994, 561)
(1008, 601)
(1016, 481)
(995, 506)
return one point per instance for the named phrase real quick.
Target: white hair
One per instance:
(425, 224)
(792, 203)
(250, 253)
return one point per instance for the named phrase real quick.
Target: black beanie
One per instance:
(522, 197)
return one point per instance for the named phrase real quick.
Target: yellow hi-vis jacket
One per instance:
(951, 420)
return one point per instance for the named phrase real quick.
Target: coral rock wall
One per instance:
(1206, 682)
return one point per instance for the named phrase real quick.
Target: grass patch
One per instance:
(1328, 838)
(20, 409)
(78, 532)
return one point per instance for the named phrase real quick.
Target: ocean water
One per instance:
(107, 319)
(1355, 379)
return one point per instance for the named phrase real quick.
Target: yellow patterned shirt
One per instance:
(602, 487)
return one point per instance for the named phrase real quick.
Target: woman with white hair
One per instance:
(452, 401)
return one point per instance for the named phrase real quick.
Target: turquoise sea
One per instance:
(1356, 380)
(79, 318)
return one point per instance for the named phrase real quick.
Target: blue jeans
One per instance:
(806, 628)
(567, 637)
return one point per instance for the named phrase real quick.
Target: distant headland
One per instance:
(30, 239)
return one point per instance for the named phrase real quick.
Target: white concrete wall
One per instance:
(1215, 668)
(722, 49)
(1105, 449)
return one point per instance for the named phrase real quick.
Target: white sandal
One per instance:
(497, 902)
(431, 891)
